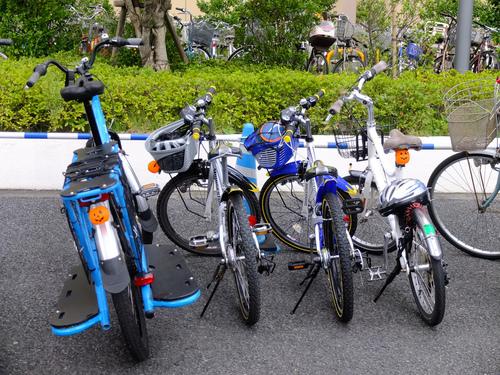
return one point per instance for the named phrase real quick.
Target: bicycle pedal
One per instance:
(198, 242)
(266, 265)
(300, 265)
(149, 190)
(261, 228)
(352, 206)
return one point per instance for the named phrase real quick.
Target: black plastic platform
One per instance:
(77, 302)
(173, 278)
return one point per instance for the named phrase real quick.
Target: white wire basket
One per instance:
(472, 113)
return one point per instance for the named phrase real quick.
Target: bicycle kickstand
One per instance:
(311, 275)
(218, 276)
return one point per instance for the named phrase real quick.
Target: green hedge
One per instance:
(143, 99)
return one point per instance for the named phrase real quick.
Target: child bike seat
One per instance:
(82, 90)
(399, 140)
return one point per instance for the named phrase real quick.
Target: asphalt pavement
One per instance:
(387, 337)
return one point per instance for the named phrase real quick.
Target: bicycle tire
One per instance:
(243, 54)
(372, 227)
(352, 64)
(488, 61)
(438, 63)
(197, 54)
(339, 267)
(281, 204)
(318, 65)
(130, 312)
(184, 197)
(240, 241)
(455, 187)
(427, 276)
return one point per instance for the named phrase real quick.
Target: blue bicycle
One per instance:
(112, 227)
(303, 201)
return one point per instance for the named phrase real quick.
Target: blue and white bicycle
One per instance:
(112, 227)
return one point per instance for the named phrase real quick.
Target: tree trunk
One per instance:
(150, 20)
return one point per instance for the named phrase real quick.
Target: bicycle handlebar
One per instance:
(41, 69)
(5, 42)
(191, 112)
(287, 115)
(366, 76)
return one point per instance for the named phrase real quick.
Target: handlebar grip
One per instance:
(288, 134)
(211, 90)
(320, 93)
(196, 132)
(181, 9)
(335, 107)
(135, 41)
(379, 67)
(6, 42)
(39, 71)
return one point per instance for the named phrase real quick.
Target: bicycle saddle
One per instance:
(399, 140)
(82, 90)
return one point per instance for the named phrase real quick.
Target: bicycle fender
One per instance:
(242, 181)
(345, 186)
(289, 168)
(329, 186)
(431, 238)
(229, 190)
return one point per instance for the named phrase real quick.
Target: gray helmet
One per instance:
(173, 147)
(400, 194)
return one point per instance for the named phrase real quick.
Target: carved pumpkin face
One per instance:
(99, 215)
(402, 156)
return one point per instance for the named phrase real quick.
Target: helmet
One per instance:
(401, 193)
(172, 146)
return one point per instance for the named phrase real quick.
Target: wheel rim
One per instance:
(422, 276)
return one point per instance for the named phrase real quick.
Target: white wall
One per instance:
(38, 164)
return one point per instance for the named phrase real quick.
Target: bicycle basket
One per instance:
(351, 140)
(472, 114)
(203, 33)
(173, 147)
(267, 146)
(344, 30)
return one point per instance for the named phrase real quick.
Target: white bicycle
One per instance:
(402, 201)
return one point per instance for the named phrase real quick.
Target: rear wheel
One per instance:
(439, 66)
(186, 196)
(372, 226)
(487, 61)
(318, 65)
(339, 268)
(129, 309)
(243, 259)
(282, 205)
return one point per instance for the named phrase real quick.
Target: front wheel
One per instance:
(318, 64)
(129, 309)
(427, 275)
(243, 259)
(458, 188)
(339, 268)
(351, 64)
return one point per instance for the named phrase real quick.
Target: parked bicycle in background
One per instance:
(464, 187)
(92, 26)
